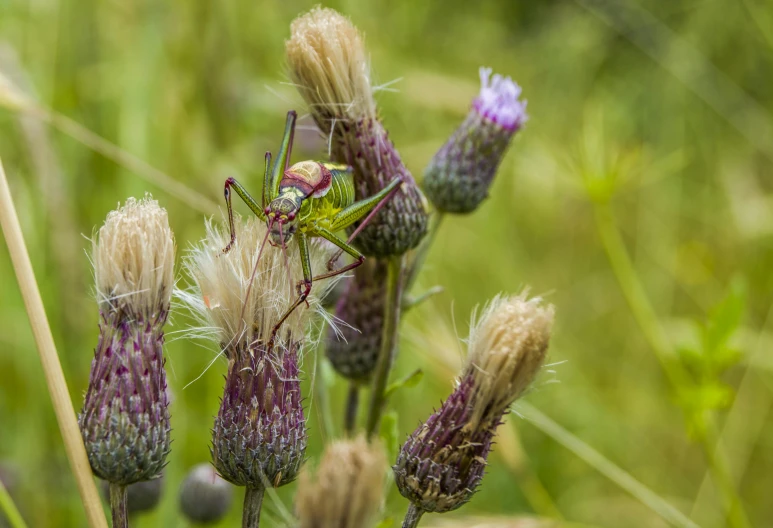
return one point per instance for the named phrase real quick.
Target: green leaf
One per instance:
(411, 380)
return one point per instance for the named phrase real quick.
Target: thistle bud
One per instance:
(328, 63)
(125, 416)
(259, 437)
(204, 496)
(353, 349)
(347, 490)
(458, 177)
(443, 461)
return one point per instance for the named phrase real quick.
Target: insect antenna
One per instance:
(255, 270)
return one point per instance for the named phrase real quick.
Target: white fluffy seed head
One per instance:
(222, 280)
(348, 488)
(328, 62)
(507, 347)
(133, 258)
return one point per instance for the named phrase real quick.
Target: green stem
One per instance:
(118, 505)
(421, 253)
(648, 322)
(253, 500)
(352, 403)
(388, 349)
(412, 517)
(718, 466)
(10, 510)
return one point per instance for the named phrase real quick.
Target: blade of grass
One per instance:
(603, 465)
(57, 385)
(10, 510)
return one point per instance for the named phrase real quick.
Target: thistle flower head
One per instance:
(498, 101)
(134, 259)
(328, 64)
(348, 488)
(125, 416)
(443, 461)
(259, 437)
(204, 496)
(458, 177)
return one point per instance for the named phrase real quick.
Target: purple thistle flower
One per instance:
(442, 463)
(125, 416)
(458, 177)
(259, 435)
(328, 62)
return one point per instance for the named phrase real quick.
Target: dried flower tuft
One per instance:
(328, 63)
(204, 496)
(458, 177)
(125, 416)
(443, 461)
(348, 489)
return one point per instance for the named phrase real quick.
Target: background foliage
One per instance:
(651, 120)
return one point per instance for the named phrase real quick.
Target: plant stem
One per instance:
(388, 351)
(9, 509)
(253, 500)
(412, 516)
(736, 516)
(52, 368)
(352, 403)
(421, 254)
(119, 505)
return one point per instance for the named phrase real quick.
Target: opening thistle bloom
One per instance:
(443, 461)
(125, 416)
(328, 63)
(259, 437)
(348, 488)
(458, 177)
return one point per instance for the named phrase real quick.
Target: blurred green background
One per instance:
(650, 143)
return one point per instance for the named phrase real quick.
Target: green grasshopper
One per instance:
(308, 199)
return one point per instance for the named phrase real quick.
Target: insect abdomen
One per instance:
(341, 192)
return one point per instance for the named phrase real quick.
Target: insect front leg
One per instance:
(249, 200)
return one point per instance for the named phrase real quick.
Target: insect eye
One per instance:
(267, 211)
(291, 216)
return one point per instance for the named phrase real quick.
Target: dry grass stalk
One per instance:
(52, 369)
